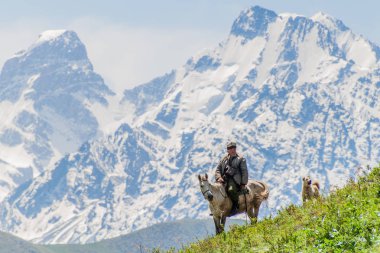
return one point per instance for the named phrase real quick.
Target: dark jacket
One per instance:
(239, 167)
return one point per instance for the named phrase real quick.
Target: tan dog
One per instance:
(309, 189)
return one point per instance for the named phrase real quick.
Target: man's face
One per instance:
(231, 151)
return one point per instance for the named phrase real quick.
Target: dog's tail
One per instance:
(316, 183)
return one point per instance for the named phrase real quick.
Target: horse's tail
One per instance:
(264, 195)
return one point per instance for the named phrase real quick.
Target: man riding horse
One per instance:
(232, 179)
(232, 171)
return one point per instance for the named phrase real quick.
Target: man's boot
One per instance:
(234, 208)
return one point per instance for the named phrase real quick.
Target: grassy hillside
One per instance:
(348, 220)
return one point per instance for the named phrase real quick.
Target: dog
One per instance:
(309, 189)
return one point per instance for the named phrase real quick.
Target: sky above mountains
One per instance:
(131, 42)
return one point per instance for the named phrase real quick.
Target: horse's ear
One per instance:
(206, 176)
(199, 177)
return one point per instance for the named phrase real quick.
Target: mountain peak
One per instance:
(65, 38)
(253, 22)
(329, 21)
(56, 45)
(50, 35)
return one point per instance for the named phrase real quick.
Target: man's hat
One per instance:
(231, 144)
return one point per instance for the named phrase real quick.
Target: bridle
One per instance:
(207, 190)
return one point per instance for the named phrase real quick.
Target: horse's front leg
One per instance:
(218, 226)
(253, 213)
(223, 221)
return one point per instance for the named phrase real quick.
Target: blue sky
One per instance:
(130, 42)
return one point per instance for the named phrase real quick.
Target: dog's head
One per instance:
(306, 180)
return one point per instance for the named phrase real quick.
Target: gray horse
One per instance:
(220, 205)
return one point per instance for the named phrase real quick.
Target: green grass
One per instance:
(348, 220)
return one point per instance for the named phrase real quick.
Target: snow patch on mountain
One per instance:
(49, 36)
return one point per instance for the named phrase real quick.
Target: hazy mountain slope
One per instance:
(9, 243)
(161, 236)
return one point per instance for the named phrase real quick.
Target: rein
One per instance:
(208, 190)
(221, 192)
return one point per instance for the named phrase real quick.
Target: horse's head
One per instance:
(205, 187)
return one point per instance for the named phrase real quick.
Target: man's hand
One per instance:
(244, 189)
(220, 180)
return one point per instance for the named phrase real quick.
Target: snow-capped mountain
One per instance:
(92, 188)
(298, 94)
(47, 95)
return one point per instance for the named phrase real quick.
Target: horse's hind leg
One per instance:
(256, 209)
(253, 213)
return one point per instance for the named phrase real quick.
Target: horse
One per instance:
(220, 204)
